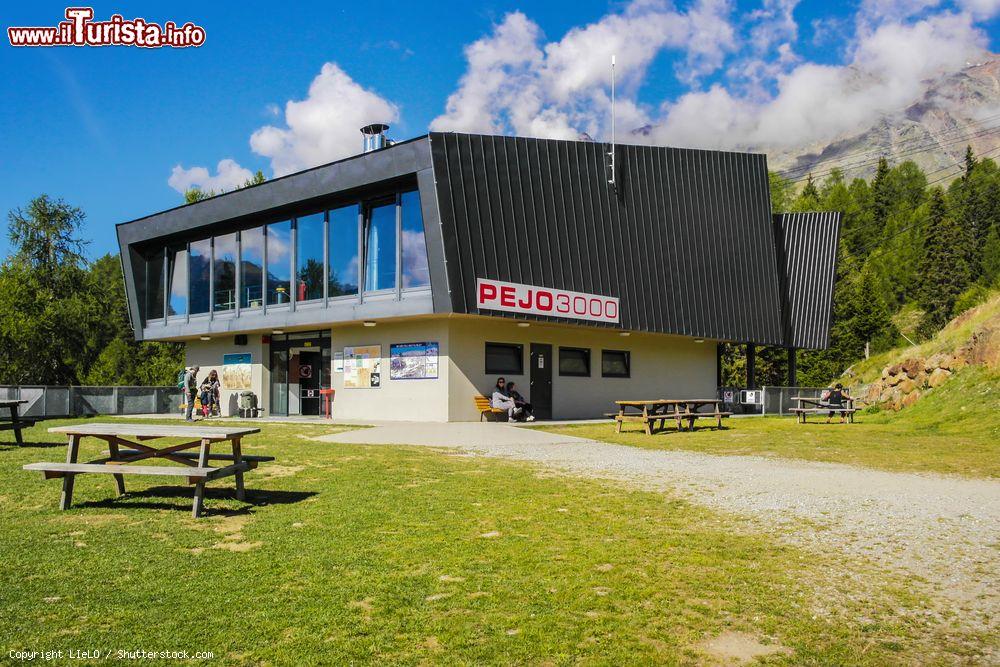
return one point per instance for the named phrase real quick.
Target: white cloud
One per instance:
(560, 89)
(324, 126)
(229, 175)
(981, 9)
(817, 102)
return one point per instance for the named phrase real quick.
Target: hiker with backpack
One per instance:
(190, 385)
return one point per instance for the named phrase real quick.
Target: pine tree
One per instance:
(882, 201)
(870, 322)
(944, 270)
(991, 258)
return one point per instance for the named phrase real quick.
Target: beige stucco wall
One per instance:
(662, 367)
(418, 400)
(208, 355)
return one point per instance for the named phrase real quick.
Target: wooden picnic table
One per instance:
(194, 466)
(14, 422)
(661, 409)
(802, 408)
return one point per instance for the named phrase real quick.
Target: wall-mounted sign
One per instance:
(237, 358)
(362, 366)
(236, 370)
(310, 393)
(517, 298)
(413, 361)
(338, 362)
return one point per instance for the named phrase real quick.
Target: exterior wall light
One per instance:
(204, 338)
(277, 332)
(699, 340)
(624, 333)
(369, 323)
(524, 324)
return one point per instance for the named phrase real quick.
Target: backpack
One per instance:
(180, 379)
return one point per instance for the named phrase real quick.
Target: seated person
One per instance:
(502, 401)
(835, 398)
(521, 403)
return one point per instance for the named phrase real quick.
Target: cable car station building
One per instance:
(409, 277)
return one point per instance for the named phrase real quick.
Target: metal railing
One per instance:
(46, 401)
(770, 400)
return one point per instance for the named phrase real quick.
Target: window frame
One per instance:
(495, 371)
(586, 351)
(367, 208)
(628, 364)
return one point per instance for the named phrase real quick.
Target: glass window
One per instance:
(279, 262)
(615, 364)
(252, 267)
(309, 258)
(225, 272)
(504, 359)
(574, 361)
(344, 251)
(154, 285)
(415, 272)
(177, 279)
(380, 248)
(199, 266)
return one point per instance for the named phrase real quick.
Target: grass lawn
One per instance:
(396, 554)
(955, 429)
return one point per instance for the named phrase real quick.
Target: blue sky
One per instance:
(104, 128)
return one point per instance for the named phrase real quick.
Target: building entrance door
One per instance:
(300, 367)
(541, 380)
(310, 370)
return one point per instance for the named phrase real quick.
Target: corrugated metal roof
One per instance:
(685, 241)
(807, 243)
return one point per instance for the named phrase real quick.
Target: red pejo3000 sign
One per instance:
(517, 298)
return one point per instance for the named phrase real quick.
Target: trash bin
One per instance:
(248, 404)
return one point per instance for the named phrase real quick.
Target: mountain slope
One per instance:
(956, 109)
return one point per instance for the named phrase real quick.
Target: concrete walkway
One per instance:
(944, 529)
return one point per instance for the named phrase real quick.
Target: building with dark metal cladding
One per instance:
(408, 277)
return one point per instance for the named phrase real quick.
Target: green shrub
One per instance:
(971, 298)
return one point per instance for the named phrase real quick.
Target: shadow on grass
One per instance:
(10, 446)
(157, 497)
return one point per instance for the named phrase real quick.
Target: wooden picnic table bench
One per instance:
(819, 406)
(13, 421)
(194, 467)
(662, 409)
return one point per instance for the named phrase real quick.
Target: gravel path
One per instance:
(945, 530)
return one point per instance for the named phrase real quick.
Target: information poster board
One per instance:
(362, 366)
(413, 361)
(236, 370)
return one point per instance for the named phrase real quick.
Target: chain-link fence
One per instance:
(765, 400)
(57, 401)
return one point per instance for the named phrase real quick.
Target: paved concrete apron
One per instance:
(944, 529)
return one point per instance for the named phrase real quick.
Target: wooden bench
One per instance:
(194, 474)
(486, 409)
(118, 462)
(802, 413)
(14, 422)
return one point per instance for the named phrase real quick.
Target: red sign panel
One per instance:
(517, 298)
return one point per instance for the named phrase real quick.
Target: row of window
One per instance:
(508, 359)
(307, 258)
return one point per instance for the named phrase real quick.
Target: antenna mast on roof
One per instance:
(611, 180)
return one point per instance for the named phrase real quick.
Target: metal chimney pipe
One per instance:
(374, 137)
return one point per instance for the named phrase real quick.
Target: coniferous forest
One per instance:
(914, 252)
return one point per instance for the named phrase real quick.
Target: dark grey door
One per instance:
(541, 380)
(309, 377)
